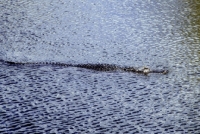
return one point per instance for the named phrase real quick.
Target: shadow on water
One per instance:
(54, 99)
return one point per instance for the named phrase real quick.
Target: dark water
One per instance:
(53, 99)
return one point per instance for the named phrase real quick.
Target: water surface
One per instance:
(53, 99)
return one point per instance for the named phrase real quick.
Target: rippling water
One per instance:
(53, 99)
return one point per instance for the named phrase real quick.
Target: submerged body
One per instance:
(97, 67)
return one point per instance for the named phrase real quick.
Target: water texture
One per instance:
(54, 99)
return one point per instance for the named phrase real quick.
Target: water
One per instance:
(53, 99)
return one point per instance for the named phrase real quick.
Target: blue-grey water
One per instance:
(53, 99)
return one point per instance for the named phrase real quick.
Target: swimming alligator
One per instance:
(97, 67)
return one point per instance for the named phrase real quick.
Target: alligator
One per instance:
(97, 67)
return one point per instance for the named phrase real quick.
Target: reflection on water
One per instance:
(50, 99)
(186, 42)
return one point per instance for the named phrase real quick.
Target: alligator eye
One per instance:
(146, 70)
(165, 71)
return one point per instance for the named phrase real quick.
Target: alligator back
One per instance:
(97, 67)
